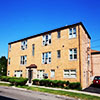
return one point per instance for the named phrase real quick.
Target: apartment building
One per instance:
(95, 62)
(60, 54)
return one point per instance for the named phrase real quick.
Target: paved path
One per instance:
(75, 91)
(11, 93)
(89, 91)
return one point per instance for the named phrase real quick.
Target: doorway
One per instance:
(30, 75)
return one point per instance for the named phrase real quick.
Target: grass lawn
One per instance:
(58, 92)
(5, 84)
(65, 93)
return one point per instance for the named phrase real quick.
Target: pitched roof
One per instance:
(58, 29)
(32, 66)
(94, 52)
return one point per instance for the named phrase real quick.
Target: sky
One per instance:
(23, 18)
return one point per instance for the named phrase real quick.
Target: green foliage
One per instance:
(14, 80)
(74, 85)
(18, 81)
(3, 66)
(57, 83)
(5, 78)
(36, 82)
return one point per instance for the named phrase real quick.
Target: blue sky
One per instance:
(23, 18)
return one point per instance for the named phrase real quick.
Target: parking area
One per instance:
(93, 89)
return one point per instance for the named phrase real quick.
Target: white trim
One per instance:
(69, 73)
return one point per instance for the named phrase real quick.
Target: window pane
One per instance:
(58, 34)
(24, 45)
(52, 73)
(46, 38)
(71, 57)
(73, 71)
(74, 34)
(70, 51)
(74, 30)
(75, 50)
(58, 53)
(70, 30)
(33, 47)
(75, 56)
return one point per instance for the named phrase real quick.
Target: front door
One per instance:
(30, 75)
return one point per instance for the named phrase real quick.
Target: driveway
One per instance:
(9, 93)
(92, 89)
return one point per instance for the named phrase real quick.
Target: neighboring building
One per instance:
(59, 54)
(95, 62)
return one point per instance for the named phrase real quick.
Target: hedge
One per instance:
(18, 81)
(5, 78)
(74, 85)
(14, 80)
(57, 83)
(51, 83)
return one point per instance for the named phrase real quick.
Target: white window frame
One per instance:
(18, 73)
(70, 73)
(23, 60)
(46, 58)
(52, 73)
(46, 39)
(40, 74)
(72, 33)
(73, 54)
(24, 45)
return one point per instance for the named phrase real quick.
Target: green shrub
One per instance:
(61, 84)
(5, 78)
(54, 83)
(47, 82)
(67, 83)
(57, 83)
(36, 81)
(18, 81)
(12, 81)
(75, 85)
(42, 82)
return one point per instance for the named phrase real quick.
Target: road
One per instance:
(9, 93)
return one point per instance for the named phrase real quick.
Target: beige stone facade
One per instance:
(74, 63)
(95, 62)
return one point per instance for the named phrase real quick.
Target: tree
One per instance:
(3, 66)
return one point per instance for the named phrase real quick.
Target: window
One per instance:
(18, 73)
(69, 73)
(52, 73)
(40, 74)
(58, 34)
(24, 45)
(72, 32)
(9, 47)
(88, 59)
(46, 39)
(33, 49)
(23, 60)
(73, 54)
(8, 73)
(58, 54)
(46, 58)
(9, 61)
